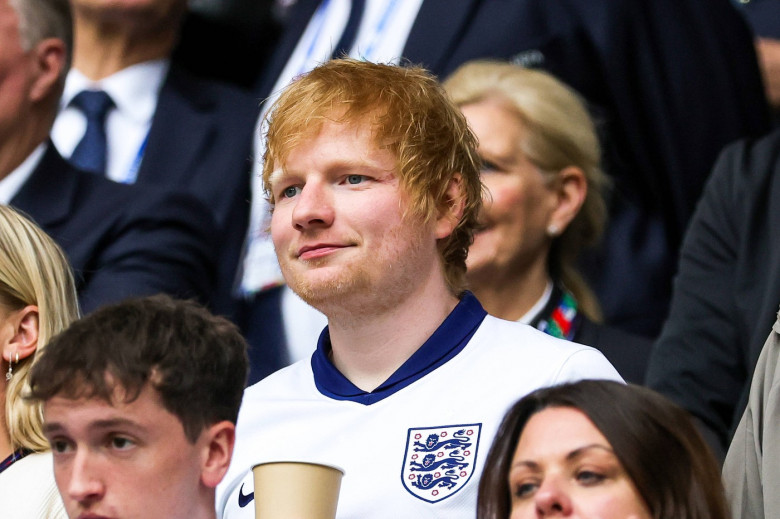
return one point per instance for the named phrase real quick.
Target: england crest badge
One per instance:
(439, 461)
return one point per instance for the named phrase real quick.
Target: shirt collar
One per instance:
(134, 89)
(13, 458)
(10, 185)
(540, 304)
(447, 341)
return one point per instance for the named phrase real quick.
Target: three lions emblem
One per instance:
(439, 461)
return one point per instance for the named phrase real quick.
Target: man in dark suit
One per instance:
(121, 240)
(164, 127)
(670, 82)
(726, 293)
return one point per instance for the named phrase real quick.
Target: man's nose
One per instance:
(313, 207)
(85, 483)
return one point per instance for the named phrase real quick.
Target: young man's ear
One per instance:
(49, 57)
(451, 210)
(570, 188)
(218, 450)
(24, 335)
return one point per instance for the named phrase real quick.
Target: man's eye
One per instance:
(121, 443)
(59, 446)
(291, 191)
(355, 179)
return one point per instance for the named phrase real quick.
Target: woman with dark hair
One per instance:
(599, 448)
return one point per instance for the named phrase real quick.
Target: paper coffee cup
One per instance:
(296, 490)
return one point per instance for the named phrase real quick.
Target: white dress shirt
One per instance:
(135, 91)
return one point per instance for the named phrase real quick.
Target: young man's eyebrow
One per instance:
(54, 427)
(50, 428)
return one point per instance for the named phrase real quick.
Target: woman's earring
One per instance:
(11, 368)
(552, 230)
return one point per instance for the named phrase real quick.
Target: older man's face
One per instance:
(15, 73)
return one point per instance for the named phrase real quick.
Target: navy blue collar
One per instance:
(446, 342)
(13, 458)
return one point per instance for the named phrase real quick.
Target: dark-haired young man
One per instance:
(140, 403)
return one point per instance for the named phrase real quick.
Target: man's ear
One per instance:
(570, 189)
(451, 209)
(218, 449)
(24, 339)
(49, 58)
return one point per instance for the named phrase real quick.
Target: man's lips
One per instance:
(318, 250)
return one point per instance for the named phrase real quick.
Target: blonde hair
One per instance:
(560, 133)
(33, 271)
(411, 116)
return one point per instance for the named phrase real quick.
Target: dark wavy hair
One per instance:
(654, 439)
(196, 361)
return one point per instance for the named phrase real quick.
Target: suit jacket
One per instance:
(200, 141)
(627, 352)
(121, 240)
(670, 83)
(261, 322)
(726, 292)
(762, 15)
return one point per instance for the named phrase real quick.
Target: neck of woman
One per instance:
(510, 297)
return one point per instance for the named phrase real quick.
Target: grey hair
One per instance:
(42, 19)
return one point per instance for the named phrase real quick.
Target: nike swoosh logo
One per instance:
(244, 500)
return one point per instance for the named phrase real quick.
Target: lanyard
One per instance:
(132, 173)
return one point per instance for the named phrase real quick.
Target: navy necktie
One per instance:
(90, 153)
(350, 31)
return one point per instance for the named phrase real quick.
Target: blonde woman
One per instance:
(37, 301)
(543, 203)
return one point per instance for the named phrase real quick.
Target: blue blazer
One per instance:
(121, 240)
(200, 141)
